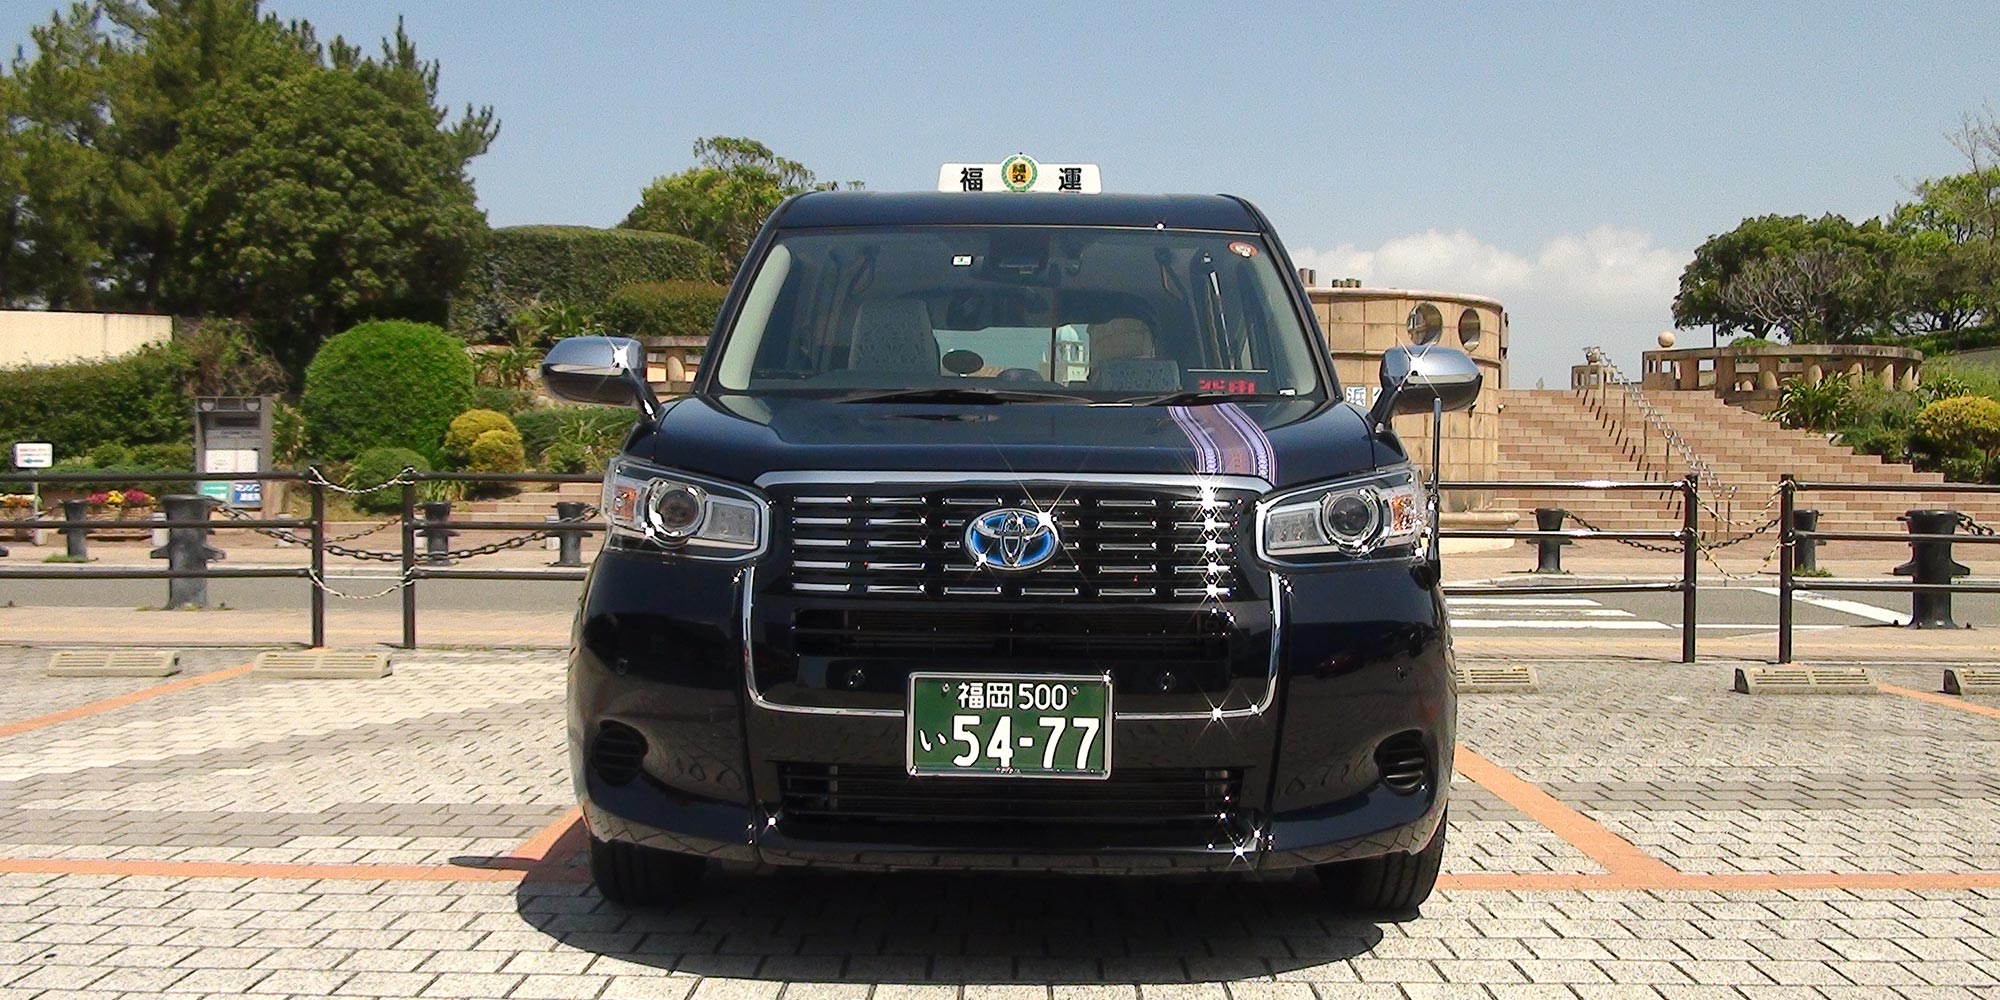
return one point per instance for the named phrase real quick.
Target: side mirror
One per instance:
(1416, 379)
(600, 370)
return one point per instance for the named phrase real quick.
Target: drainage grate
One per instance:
(324, 664)
(115, 663)
(1971, 680)
(1496, 679)
(1805, 680)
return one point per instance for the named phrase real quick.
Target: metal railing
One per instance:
(413, 564)
(1788, 491)
(1633, 397)
(1688, 535)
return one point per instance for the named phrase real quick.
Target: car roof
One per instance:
(935, 208)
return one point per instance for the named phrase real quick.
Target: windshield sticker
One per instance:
(1242, 249)
(961, 260)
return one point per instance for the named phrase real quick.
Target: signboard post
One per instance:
(33, 455)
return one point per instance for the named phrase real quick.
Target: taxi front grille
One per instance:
(867, 803)
(1134, 544)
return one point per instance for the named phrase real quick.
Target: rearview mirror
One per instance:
(600, 370)
(1415, 378)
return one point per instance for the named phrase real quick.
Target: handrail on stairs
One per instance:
(1607, 374)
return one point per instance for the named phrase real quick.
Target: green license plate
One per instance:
(1010, 725)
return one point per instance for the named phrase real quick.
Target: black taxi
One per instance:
(1014, 531)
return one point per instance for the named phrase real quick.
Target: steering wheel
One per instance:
(1019, 375)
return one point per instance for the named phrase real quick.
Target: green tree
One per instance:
(91, 118)
(722, 200)
(1806, 279)
(328, 197)
(202, 156)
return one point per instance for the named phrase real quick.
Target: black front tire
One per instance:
(633, 876)
(1392, 883)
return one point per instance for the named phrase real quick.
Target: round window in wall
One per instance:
(1426, 323)
(1468, 329)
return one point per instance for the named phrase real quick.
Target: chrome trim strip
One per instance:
(822, 588)
(1270, 687)
(757, 698)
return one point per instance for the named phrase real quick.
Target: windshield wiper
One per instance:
(958, 394)
(1186, 396)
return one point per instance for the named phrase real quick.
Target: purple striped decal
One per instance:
(1262, 457)
(1226, 441)
(1207, 457)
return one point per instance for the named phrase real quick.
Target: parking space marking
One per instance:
(1946, 700)
(120, 701)
(1617, 855)
(543, 845)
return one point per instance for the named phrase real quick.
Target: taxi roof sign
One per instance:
(1020, 173)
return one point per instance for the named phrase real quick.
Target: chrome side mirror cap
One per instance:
(1414, 379)
(608, 370)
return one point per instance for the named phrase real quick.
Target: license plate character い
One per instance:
(1009, 726)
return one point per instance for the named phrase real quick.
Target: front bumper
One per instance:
(1362, 655)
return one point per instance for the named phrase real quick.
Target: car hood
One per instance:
(740, 438)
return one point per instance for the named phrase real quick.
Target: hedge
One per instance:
(664, 309)
(136, 399)
(385, 383)
(522, 265)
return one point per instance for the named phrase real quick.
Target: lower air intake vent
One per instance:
(617, 753)
(1404, 762)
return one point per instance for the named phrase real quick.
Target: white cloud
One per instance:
(1610, 287)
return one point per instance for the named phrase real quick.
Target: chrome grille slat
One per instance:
(1121, 543)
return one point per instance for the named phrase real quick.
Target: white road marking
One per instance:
(1856, 608)
(1522, 602)
(1613, 626)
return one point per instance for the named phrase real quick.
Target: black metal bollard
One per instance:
(1807, 549)
(437, 539)
(1931, 562)
(187, 550)
(1548, 555)
(569, 541)
(76, 541)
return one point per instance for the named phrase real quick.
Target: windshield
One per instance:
(1066, 312)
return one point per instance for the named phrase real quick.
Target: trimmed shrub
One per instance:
(375, 467)
(136, 399)
(497, 451)
(385, 384)
(1960, 437)
(664, 309)
(467, 427)
(524, 265)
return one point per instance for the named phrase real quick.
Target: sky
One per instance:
(1563, 158)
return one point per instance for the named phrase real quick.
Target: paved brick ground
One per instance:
(141, 850)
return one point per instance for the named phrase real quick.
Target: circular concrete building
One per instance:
(1360, 323)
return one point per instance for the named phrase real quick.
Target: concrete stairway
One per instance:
(1555, 434)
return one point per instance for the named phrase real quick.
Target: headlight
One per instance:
(683, 513)
(1352, 517)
